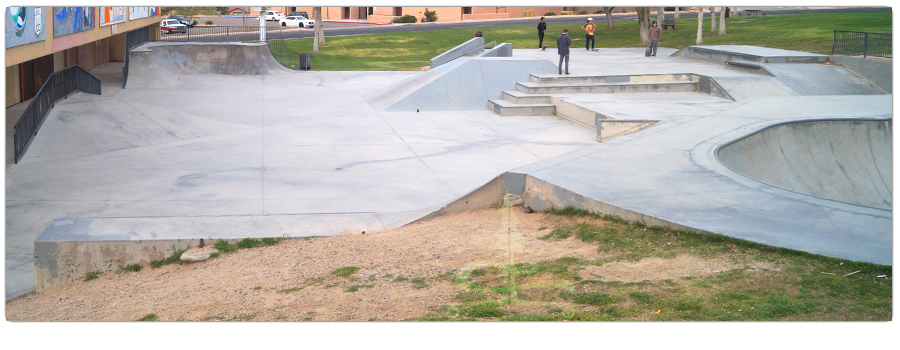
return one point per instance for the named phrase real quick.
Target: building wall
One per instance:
(12, 85)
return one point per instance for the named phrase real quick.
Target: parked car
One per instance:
(183, 20)
(274, 16)
(297, 21)
(299, 13)
(172, 26)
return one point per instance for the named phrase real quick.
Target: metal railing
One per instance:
(861, 43)
(58, 86)
(275, 37)
(134, 39)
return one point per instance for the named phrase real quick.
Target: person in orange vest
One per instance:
(589, 33)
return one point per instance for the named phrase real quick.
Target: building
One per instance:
(44, 40)
(444, 13)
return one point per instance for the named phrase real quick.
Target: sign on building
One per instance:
(24, 25)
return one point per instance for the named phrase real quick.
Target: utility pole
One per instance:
(262, 24)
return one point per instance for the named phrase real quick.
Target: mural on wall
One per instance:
(24, 25)
(154, 11)
(137, 12)
(68, 20)
(111, 15)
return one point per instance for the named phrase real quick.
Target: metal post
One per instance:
(262, 24)
(865, 44)
(833, 41)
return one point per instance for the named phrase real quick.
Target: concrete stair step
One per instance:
(523, 98)
(671, 86)
(598, 79)
(506, 108)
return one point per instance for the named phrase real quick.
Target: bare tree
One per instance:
(699, 25)
(722, 21)
(644, 23)
(677, 12)
(660, 15)
(318, 33)
(712, 12)
(609, 19)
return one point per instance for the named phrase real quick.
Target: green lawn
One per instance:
(414, 50)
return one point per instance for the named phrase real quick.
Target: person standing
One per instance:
(589, 33)
(562, 47)
(655, 32)
(541, 28)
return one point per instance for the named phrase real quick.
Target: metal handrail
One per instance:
(862, 43)
(58, 86)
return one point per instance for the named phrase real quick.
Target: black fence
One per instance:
(275, 38)
(58, 86)
(134, 39)
(861, 43)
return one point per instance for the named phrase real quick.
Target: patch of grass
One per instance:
(91, 275)
(289, 290)
(561, 267)
(557, 234)
(149, 317)
(175, 258)
(413, 50)
(346, 271)
(489, 309)
(224, 246)
(131, 268)
(356, 287)
(418, 283)
(401, 279)
(257, 288)
(595, 298)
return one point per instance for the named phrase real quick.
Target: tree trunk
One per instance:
(660, 15)
(677, 12)
(321, 27)
(609, 19)
(712, 12)
(644, 23)
(317, 15)
(722, 22)
(699, 26)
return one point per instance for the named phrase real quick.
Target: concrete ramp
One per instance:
(464, 84)
(820, 79)
(843, 160)
(158, 64)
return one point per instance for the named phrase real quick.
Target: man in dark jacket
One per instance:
(562, 47)
(541, 28)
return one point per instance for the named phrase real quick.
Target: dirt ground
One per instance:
(293, 280)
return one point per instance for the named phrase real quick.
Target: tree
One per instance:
(319, 32)
(644, 23)
(699, 25)
(712, 13)
(722, 21)
(609, 19)
(677, 12)
(660, 15)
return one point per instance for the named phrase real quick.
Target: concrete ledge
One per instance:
(576, 113)
(515, 96)
(465, 48)
(609, 129)
(488, 196)
(671, 86)
(595, 79)
(750, 67)
(876, 70)
(725, 53)
(542, 195)
(502, 50)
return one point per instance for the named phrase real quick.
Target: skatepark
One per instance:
(219, 141)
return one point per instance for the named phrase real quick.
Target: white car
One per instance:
(172, 26)
(274, 15)
(297, 21)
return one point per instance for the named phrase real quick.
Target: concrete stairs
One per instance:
(515, 103)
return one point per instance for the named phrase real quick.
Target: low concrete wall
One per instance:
(488, 196)
(609, 129)
(878, 71)
(576, 113)
(465, 48)
(502, 50)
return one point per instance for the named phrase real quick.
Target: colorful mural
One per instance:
(154, 11)
(68, 20)
(24, 25)
(137, 12)
(111, 15)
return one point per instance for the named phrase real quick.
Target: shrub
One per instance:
(430, 16)
(91, 275)
(583, 12)
(405, 19)
(550, 14)
(208, 22)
